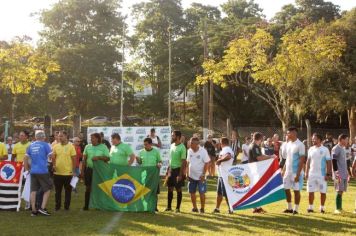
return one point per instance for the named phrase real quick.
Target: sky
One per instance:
(16, 19)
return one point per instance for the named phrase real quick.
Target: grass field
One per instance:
(93, 222)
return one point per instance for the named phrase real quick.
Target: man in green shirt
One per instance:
(177, 169)
(150, 156)
(121, 153)
(96, 151)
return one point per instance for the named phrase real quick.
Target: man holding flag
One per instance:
(150, 156)
(225, 161)
(293, 169)
(255, 155)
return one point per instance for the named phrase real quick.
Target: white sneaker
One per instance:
(337, 212)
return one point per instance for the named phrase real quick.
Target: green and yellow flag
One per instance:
(123, 188)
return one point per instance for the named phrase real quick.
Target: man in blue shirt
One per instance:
(38, 152)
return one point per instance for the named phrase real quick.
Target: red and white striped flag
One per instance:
(10, 185)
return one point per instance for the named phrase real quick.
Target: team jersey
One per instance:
(20, 150)
(3, 150)
(294, 151)
(318, 157)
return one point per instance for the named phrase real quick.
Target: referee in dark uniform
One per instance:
(255, 155)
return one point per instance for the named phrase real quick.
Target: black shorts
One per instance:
(172, 179)
(88, 176)
(41, 181)
(348, 162)
(221, 187)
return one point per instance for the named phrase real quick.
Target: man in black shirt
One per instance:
(210, 148)
(104, 141)
(255, 155)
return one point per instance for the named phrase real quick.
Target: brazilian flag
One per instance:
(124, 188)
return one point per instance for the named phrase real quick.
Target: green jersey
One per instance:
(150, 158)
(119, 154)
(178, 153)
(91, 151)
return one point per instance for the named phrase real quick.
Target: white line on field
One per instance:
(110, 226)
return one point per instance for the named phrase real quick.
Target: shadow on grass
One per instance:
(241, 224)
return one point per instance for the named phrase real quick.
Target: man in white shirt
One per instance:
(318, 171)
(293, 169)
(156, 141)
(226, 158)
(246, 150)
(198, 163)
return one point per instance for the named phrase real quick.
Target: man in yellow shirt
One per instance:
(20, 148)
(64, 157)
(3, 152)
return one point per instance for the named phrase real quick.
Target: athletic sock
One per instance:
(179, 199)
(296, 207)
(322, 208)
(170, 198)
(311, 207)
(338, 202)
(87, 199)
(289, 206)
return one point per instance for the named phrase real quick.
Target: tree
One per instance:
(279, 80)
(335, 91)
(150, 44)
(22, 69)
(85, 37)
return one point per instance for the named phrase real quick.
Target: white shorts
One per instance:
(288, 182)
(317, 184)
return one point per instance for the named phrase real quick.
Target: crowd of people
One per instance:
(54, 161)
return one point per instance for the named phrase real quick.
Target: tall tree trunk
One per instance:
(351, 113)
(12, 111)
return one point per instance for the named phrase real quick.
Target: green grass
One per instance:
(93, 222)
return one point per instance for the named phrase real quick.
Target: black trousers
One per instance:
(60, 182)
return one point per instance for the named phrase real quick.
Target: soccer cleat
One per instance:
(310, 211)
(202, 211)
(256, 210)
(44, 212)
(337, 212)
(295, 213)
(168, 209)
(288, 211)
(216, 210)
(322, 211)
(34, 213)
(195, 210)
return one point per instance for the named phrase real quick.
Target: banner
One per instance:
(134, 137)
(254, 184)
(10, 185)
(118, 188)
